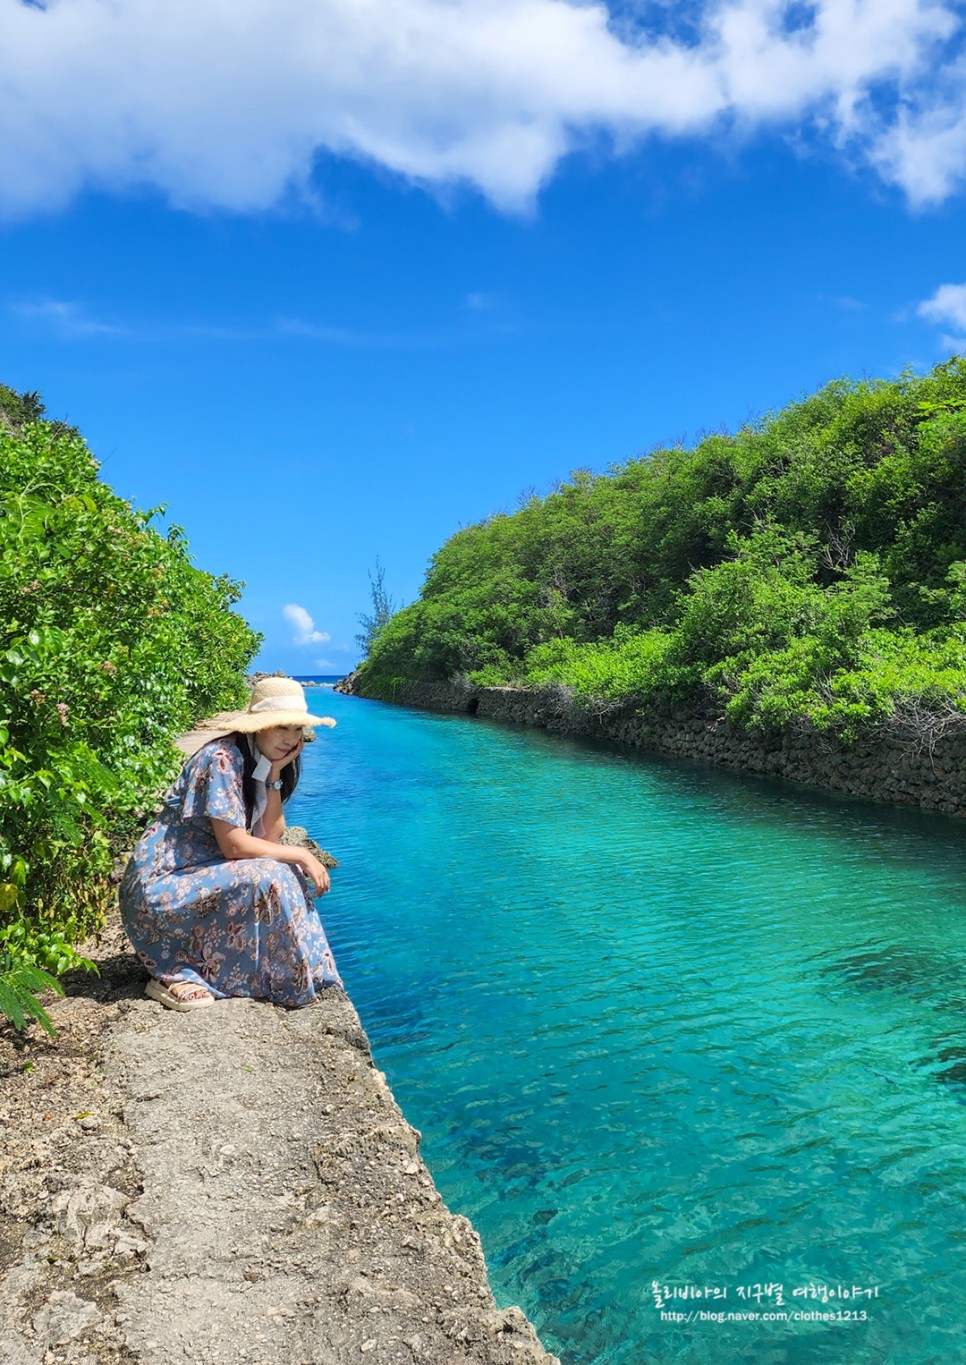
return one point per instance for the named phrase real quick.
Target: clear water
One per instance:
(661, 1022)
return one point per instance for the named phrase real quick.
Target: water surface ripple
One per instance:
(661, 1022)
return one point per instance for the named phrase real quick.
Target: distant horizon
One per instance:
(299, 677)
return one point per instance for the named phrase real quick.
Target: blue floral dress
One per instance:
(239, 926)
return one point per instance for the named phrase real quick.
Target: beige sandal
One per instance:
(169, 997)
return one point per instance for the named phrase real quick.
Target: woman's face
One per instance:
(280, 743)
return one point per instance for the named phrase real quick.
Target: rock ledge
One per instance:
(239, 1186)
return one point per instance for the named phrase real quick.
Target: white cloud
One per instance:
(947, 306)
(228, 106)
(925, 150)
(304, 626)
(65, 319)
(480, 304)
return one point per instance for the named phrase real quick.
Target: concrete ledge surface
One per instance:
(236, 1184)
(288, 1214)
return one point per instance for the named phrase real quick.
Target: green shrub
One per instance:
(20, 984)
(111, 643)
(628, 667)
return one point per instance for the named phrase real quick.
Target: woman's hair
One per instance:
(290, 775)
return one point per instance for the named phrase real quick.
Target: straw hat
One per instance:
(274, 701)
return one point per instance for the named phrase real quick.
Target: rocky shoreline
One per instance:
(887, 764)
(233, 1185)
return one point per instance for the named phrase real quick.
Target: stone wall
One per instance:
(887, 765)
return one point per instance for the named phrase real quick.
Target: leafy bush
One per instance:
(20, 983)
(917, 683)
(785, 569)
(629, 667)
(111, 643)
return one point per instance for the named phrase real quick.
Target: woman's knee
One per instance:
(268, 874)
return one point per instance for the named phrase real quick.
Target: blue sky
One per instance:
(331, 279)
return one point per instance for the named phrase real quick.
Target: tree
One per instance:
(383, 610)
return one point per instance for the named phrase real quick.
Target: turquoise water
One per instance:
(658, 1022)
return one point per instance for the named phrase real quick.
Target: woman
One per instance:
(214, 905)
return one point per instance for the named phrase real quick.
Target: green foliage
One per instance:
(628, 667)
(385, 687)
(20, 984)
(51, 948)
(383, 608)
(17, 409)
(810, 569)
(111, 643)
(917, 680)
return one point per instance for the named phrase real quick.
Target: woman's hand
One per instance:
(238, 843)
(276, 771)
(314, 870)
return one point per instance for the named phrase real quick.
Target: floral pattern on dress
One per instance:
(238, 926)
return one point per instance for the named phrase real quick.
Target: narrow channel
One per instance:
(659, 1022)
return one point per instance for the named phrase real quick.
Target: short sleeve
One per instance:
(213, 786)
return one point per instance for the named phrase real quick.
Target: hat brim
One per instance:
(250, 722)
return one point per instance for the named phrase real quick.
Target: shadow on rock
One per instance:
(119, 976)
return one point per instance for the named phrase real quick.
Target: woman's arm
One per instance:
(235, 842)
(273, 821)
